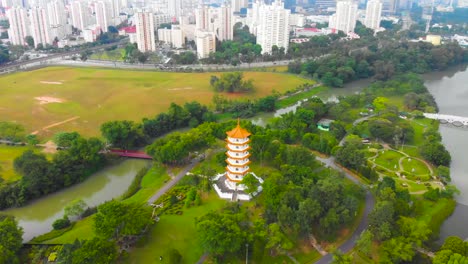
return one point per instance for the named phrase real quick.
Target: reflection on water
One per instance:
(37, 217)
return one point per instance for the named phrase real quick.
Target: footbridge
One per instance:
(451, 119)
(131, 154)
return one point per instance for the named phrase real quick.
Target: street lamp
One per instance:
(246, 253)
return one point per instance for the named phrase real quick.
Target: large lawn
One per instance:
(389, 159)
(91, 96)
(178, 232)
(7, 155)
(415, 166)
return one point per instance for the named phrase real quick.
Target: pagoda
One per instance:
(237, 145)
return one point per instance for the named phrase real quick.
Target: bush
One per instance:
(89, 211)
(136, 184)
(174, 256)
(61, 223)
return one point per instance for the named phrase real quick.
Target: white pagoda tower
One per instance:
(228, 184)
(237, 145)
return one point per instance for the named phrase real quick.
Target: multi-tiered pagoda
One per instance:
(237, 145)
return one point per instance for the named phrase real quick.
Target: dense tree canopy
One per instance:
(11, 240)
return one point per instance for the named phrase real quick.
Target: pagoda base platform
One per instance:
(229, 190)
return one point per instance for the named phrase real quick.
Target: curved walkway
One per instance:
(370, 202)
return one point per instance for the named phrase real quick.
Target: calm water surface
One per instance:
(37, 217)
(450, 89)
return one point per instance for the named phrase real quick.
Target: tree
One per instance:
(219, 234)
(364, 243)
(96, 251)
(436, 153)
(61, 223)
(250, 182)
(340, 258)
(30, 41)
(11, 240)
(454, 244)
(115, 219)
(123, 134)
(351, 156)
(11, 131)
(232, 82)
(277, 240)
(397, 250)
(75, 208)
(32, 140)
(65, 139)
(444, 173)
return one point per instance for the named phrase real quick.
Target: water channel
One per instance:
(37, 217)
(449, 88)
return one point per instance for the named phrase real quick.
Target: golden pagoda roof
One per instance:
(238, 132)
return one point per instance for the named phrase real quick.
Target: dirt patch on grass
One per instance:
(179, 89)
(48, 99)
(47, 82)
(49, 147)
(55, 124)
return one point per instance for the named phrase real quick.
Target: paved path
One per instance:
(174, 181)
(370, 201)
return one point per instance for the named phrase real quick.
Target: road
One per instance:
(370, 201)
(174, 181)
(22, 65)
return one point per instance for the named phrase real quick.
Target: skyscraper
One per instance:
(345, 17)
(225, 26)
(373, 14)
(40, 27)
(18, 25)
(115, 8)
(273, 28)
(103, 15)
(79, 14)
(145, 31)
(237, 5)
(57, 19)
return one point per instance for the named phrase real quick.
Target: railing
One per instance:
(238, 141)
(241, 155)
(238, 148)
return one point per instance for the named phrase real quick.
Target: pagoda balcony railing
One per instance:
(238, 140)
(238, 170)
(239, 155)
(237, 162)
(234, 176)
(238, 148)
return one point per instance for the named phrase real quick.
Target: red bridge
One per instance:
(131, 154)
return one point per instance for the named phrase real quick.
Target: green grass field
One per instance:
(111, 55)
(151, 182)
(389, 159)
(176, 231)
(92, 96)
(415, 166)
(7, 155)
(82, 229)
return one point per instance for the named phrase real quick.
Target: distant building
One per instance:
(434, 39)
(273, 26)
(206, 43)
(40, 27)
(80, 14)
(103, 15)
(58, 19)
(373, 14)
(345, 17)
(145, 31)
(160, 19)
(91, 33)
(174, 36)
(225, 26)
(19, 25)
(237, 5)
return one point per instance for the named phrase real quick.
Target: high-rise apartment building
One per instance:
(79, 14)
(225, 26)
(58, 19)
(145, 31)
(40, 27)
(390, 6)
(206, 43)
(373, 14)
(114, 13)
(174, 36)
(273, 28)
(345, 17)
(19, 25)
(237, 5)
(175, 8)
(103, 15)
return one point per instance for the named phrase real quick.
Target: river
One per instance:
(450, 89)
(36, 218)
